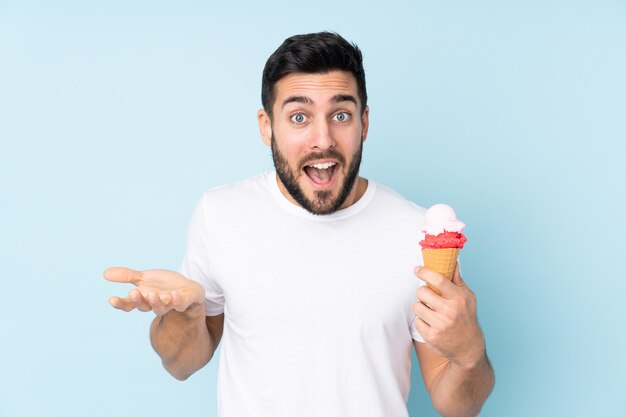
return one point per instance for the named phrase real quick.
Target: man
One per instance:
(307, 274)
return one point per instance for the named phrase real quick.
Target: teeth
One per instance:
(324, 166)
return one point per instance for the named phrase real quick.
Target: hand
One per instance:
(448, 322)
(157, 290)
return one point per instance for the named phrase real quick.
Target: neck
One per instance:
(360, 186)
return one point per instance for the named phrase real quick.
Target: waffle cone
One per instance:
(442, 261)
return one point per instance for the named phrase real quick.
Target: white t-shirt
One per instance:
(318, 318)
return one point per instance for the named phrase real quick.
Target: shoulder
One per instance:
(389, 199)
(236, 200)
(238, 192)
(252, 184)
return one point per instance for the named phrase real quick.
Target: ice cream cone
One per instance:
(442, 260)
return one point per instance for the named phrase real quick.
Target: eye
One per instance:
(342, 116)
(298, 118)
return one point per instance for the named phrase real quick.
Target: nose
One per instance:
(322, 138)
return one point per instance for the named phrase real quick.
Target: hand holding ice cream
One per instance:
(447, 319)
(443, 240)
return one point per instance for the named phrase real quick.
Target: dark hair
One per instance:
(312, 53)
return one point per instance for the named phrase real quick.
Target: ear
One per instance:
(265, 127)
(365, 122)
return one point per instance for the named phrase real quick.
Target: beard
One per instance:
(322, 202)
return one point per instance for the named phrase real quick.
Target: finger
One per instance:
(152, 302)
(139, 300)
(431, 298)
(166, 303)
(456, 277)
(134, 300)
(176, 298)
(424, 313)
(161, 303)
(183, 298)
(144, 308)
(136, 296)
(123, 304)
(436, 280)
(179, 302)
(166, 298)
(422, 328)
(123, 275)
(158, 306)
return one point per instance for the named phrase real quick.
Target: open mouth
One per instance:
(321, 174)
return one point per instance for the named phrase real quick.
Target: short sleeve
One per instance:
(415, 334)
(196, 263)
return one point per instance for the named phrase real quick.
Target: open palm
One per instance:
(156, 290)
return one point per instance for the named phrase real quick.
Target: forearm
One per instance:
(461, 391)
(183, 341)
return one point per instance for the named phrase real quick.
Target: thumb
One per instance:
(124, 275)
(456, 277)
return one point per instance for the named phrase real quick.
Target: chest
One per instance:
(329, 276)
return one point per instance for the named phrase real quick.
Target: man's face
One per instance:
(316, 134)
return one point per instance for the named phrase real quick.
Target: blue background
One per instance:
(115, 116)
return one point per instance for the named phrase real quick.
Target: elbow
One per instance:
(178, 373)
(179, 376)
(469, 406)
(182, 370)
(445, 411)
(176, 368)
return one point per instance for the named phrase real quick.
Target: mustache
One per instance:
(329, 154)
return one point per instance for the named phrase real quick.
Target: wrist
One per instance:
(193, 313)
(472, 359)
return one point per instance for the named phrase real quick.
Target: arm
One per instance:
(186, 341)
(180, 334)
(454, 363)
(454, 390)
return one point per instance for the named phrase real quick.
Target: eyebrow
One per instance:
(338, 98)
(297, 99)
(343, 97)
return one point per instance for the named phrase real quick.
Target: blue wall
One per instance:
(115, 116)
